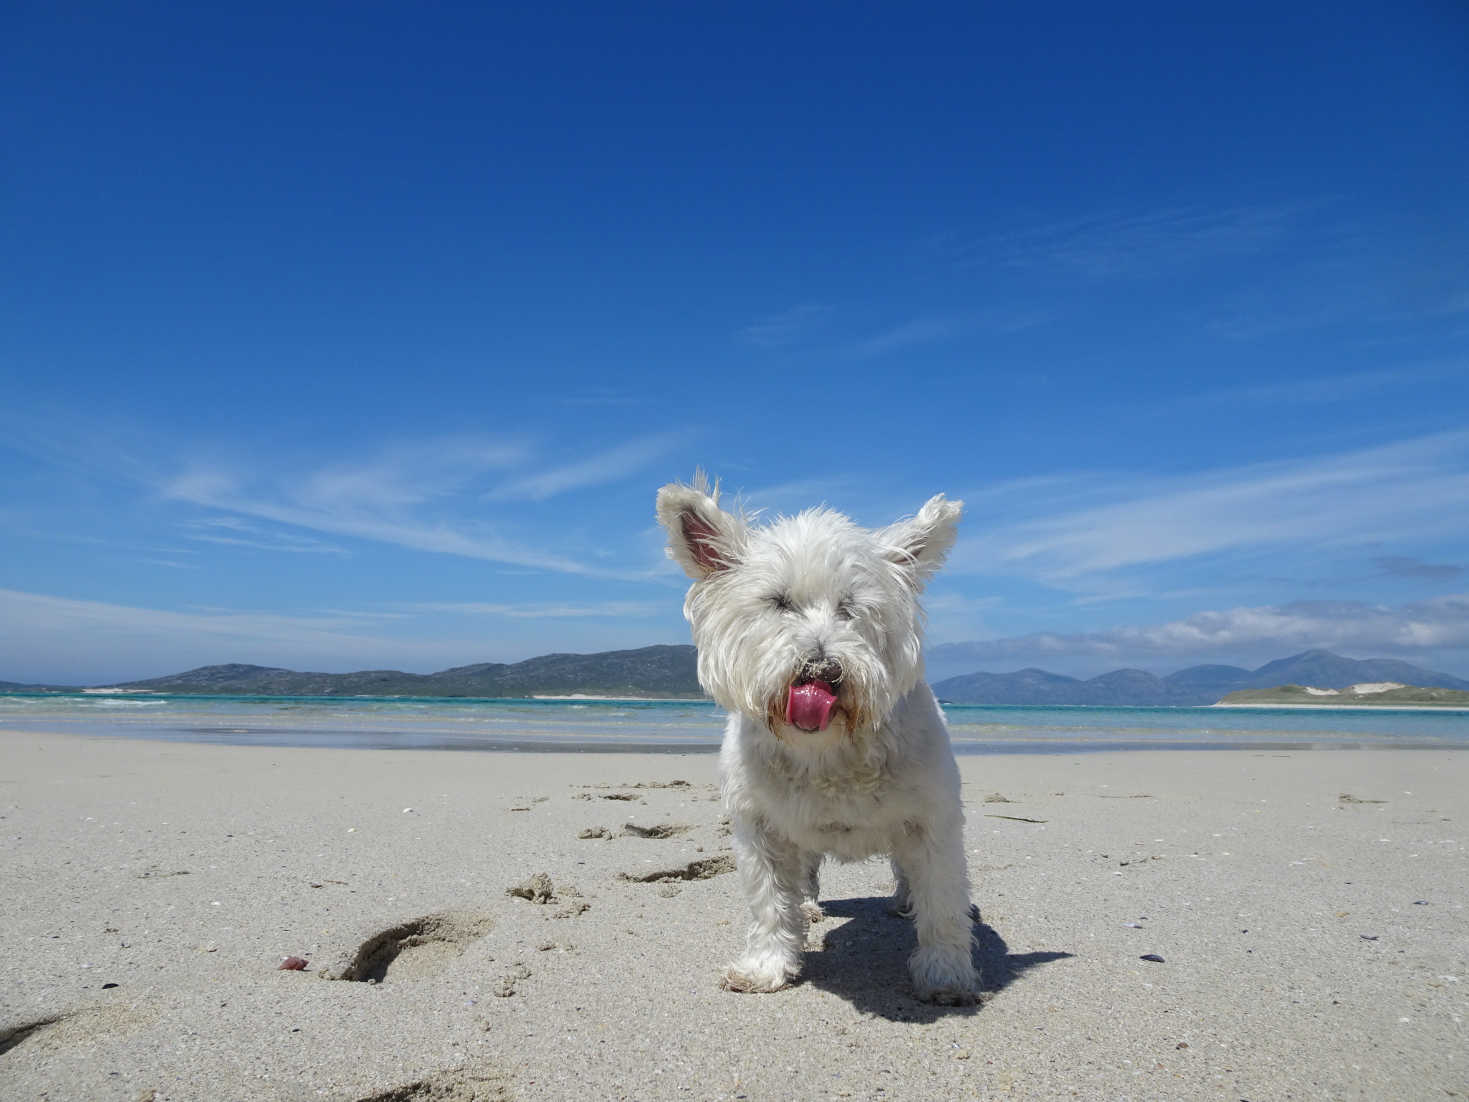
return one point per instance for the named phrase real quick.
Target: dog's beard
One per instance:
(847, 720)
(851, 712)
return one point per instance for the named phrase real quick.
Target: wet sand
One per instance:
(1307, 907)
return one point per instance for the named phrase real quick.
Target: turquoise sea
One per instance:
(692, 726)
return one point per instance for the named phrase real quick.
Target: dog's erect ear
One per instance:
(702, 537)
(921, 543)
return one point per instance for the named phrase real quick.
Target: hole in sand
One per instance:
(79, 1027)
(416, 948)
(659, 830)
(458, 1086)
(17, 1035)
(694, 870)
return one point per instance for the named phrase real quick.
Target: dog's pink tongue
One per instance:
(809, 706)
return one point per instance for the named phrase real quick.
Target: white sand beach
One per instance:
(1333, 706)
(1308, 908)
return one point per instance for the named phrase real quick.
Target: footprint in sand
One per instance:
(505, 986)
(659, 830)
(540, 889)
(704, 869)
(14, 1036)
(459, 1085)
(61, 1031)
(413, 949)
(632, 830)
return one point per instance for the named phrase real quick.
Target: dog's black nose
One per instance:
(823, 669)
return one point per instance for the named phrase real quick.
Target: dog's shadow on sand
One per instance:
(865, 961)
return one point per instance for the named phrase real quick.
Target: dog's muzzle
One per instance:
(812, 697)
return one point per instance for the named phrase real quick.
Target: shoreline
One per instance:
(591, 698)
(244, 733)
(1351, 707)
(1308, 909)
(574, 697)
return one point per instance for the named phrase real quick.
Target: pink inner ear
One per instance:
(699, 535)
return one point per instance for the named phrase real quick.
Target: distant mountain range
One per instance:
(670, 671)
(19, 687)
(1193, 686)
(667, 671)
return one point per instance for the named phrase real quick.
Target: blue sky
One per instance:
(345, 336)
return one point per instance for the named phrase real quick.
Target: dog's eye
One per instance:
(782, 602)
(844, 609)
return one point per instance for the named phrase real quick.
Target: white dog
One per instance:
(809, 633)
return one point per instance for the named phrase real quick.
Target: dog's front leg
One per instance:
(811, 886)
(902, 902)
(772, 873)
(932, 857)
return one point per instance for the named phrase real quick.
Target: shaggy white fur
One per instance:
(815, 603)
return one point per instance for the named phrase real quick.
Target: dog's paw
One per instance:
(757, 975)
(945, 996)
(900, 906)
(944, 976)
(812, 910)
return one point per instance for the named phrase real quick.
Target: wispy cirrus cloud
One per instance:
(1412, 488)
(785, 498)
(410, 474)
(54, 639)
(1325, 389)
(1121, 243)
(804, 324)
(543, 610)
(1406, 566)
(1365, 629)
(909, 334)
(606, 467)
(65, 633)
(424, 495)
(91, 642)
(602, 396)
(214, 490)
(232, 531)
(421, 496)
(787, 327)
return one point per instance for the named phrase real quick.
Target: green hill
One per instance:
(660, 671)
(18, 687)
(1404, 696)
